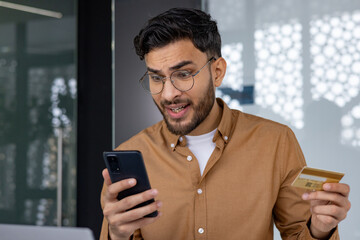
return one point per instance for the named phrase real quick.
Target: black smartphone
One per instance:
(129, 164)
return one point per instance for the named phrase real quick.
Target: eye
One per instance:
(155, 78)
(181, 75)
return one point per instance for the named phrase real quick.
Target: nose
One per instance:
(169, 92)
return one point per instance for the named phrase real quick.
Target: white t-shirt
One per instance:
(202, 147)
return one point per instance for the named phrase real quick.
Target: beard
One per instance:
(200, 111)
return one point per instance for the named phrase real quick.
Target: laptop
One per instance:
(28, 232)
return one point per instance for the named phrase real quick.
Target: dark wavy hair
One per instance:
(177, 24)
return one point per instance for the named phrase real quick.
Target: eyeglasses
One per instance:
(182, 80)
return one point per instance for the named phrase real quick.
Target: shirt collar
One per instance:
(223, 130)
(171, 139)
(226, 123)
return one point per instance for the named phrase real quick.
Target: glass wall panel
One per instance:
(38, 96)
(298, 63)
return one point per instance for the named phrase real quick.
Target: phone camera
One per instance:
(114, 164)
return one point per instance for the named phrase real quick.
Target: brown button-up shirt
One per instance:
(245, 187)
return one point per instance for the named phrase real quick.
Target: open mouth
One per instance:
(178, 109)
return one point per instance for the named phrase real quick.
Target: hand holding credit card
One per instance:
(313, 179)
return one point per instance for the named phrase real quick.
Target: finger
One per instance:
(144, 221)
(134, 200)
(114, 189)
(114, 207)
(318, 202)
(106, 177)
(131, 227)
(341, 188)
(326, 197)
(330, 210)
(134, 214)
(141, 212)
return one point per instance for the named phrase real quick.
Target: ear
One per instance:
(219, 70)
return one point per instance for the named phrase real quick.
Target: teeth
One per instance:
(176, 110)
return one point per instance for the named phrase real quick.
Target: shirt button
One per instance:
(199, 191)
(181, 139)
(201, 230)
(226, 138)
(189, 158)
(172, 145)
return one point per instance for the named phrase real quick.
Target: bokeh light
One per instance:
(335, 46)
(350, 122)
(234, 73)
(278, 79)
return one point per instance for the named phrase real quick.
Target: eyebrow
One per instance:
(176, 67)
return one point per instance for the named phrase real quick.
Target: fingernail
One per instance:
(159, 204)
(305, 196)
(326, 186)
(153, 192)
(131, 182)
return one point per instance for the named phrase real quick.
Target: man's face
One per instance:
(182, 111)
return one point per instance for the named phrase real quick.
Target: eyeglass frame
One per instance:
(172, 82)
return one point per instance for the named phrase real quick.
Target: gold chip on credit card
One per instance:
(313, 179)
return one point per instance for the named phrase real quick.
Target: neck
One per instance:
(210, 123)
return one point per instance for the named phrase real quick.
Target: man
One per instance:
(217, 173)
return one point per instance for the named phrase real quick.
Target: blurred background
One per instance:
(69, 91)
(38, 100)
(302, 60)
(54, 94)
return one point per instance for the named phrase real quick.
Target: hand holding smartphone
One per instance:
(129, 164)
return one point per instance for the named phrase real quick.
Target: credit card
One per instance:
(313, 178)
